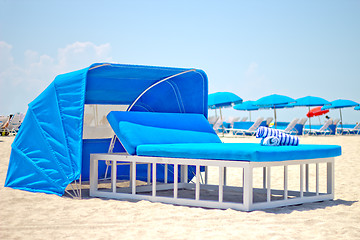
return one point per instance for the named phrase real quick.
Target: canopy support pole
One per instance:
(163, 80)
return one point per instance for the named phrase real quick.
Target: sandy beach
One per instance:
(25, 215)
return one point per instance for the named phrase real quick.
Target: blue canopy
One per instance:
(48, 152)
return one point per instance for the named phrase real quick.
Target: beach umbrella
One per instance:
(220, 100)
(339, 104)
(310, 101)
(274, 101)
(246, 106)
(316, 112)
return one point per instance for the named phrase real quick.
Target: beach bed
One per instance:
(172, 171)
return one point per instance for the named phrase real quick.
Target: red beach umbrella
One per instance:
(316, 112)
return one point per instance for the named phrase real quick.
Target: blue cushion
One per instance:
(252, 152)
(182, 121)
(132, 135)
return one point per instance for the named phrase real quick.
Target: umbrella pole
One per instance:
(250, 115)
(309, 121)
(222, 123)
(275, 117)
(341, 120)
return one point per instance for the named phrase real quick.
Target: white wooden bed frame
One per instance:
(289, 197)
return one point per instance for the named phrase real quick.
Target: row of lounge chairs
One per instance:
(10, 124)
(295, 127)
(249, 128)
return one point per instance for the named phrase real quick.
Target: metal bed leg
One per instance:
(197, 185)
(221, 183)
(268, 183)
(330, 177)
(113, 176)
(176, 179)
(285, 182)
(154, 179)
(248, 188)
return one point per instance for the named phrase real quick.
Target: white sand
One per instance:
(25, 215)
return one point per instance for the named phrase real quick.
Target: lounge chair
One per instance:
(169, 149)
(290, 126)
(332, 127)
(231, 120)
(244, 119)
(268, 121)
(213, 119)
(14, 123)
(322, 131)
(354, 130)
(299, 127)
(251, 130)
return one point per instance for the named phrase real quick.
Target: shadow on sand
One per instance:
(278, 210)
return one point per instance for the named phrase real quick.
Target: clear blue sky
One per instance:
(251, 48)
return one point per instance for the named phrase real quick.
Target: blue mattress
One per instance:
(250, 152)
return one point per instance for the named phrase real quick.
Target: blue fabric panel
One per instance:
(239, 151)
(104, 83)
(185, 93)
(299, 129)
(282, 124)
(99, 146)
(24, 175)
(132, 135)
(332, 129)
(31, 146)
(70, 90)
(263, 124)
(243, 125)
(48, 117)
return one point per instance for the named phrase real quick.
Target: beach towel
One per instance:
(285, 139)
(270, 141)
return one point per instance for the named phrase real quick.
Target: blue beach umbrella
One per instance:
(274, 101)
(222, 100)
(246, 106)
(339, 104)
(309, 101)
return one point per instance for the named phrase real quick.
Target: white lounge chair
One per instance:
(252, 130)
(299, 127)
(323, 130)
(268, 121)
(15, 123)
(244, 119)
(354, 130)
(289, 128)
